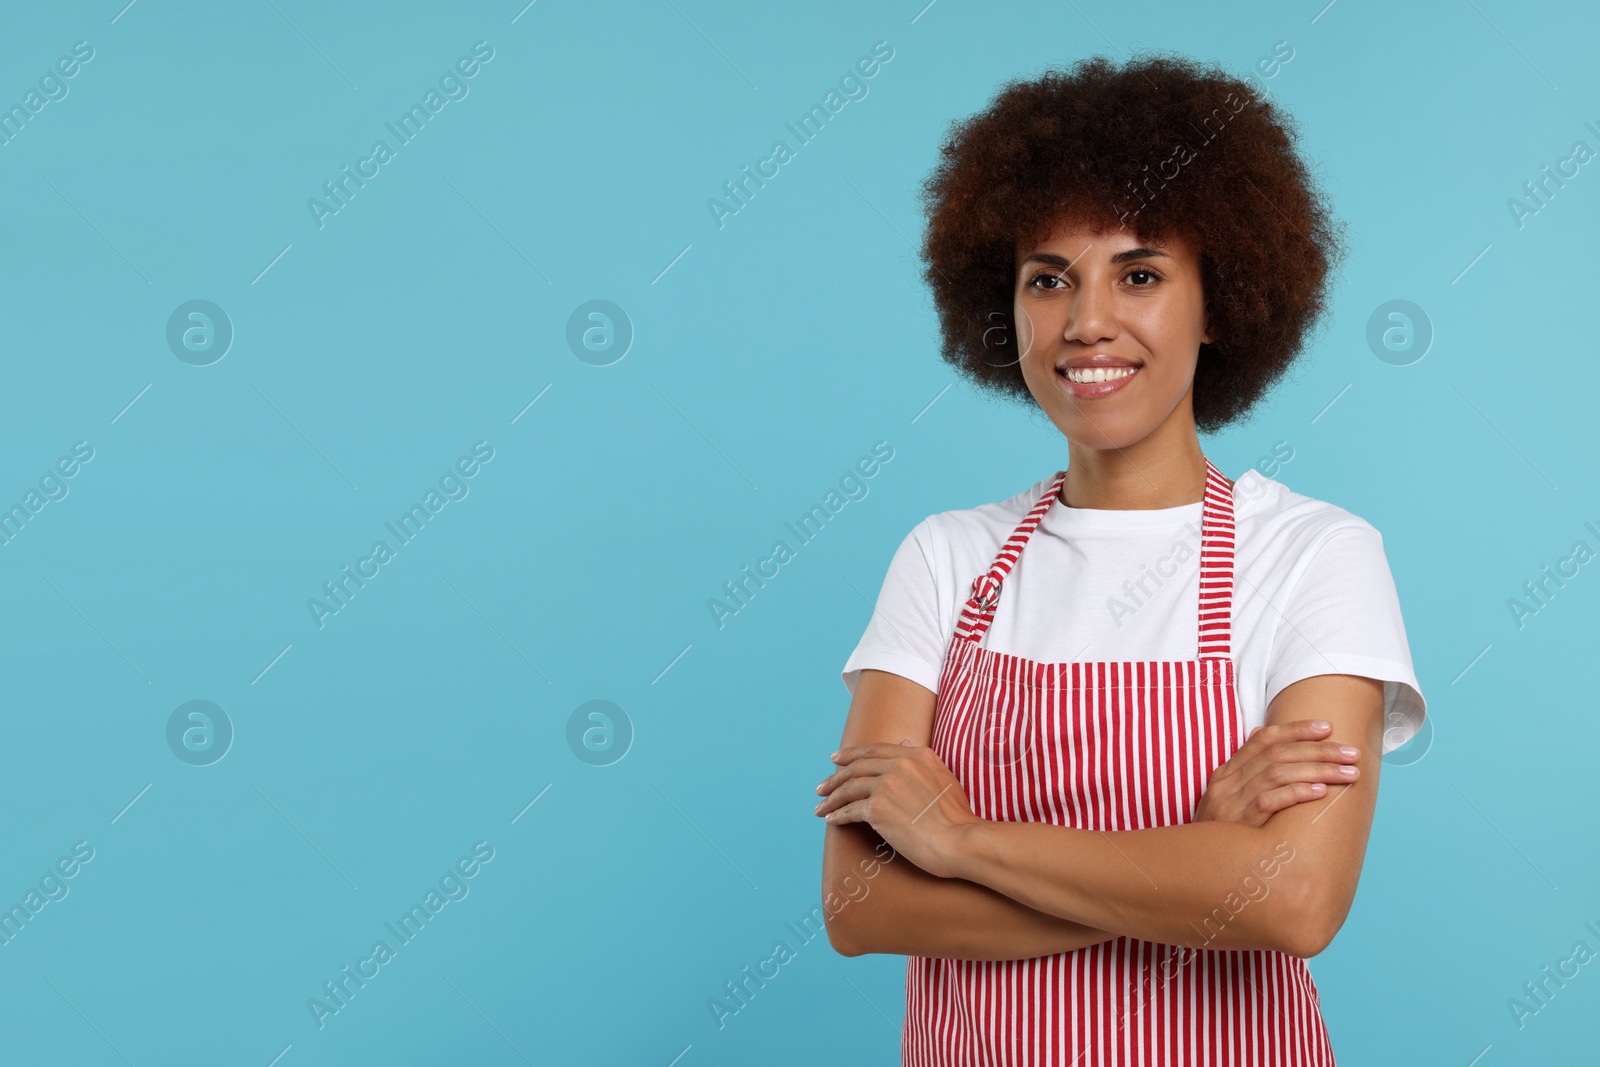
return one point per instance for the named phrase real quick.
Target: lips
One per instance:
(1096, 390)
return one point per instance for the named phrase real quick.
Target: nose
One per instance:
(1093, 317)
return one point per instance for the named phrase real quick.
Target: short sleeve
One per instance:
(1343, 617)
(905, 635)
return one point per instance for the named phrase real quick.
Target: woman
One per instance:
(1057, 701)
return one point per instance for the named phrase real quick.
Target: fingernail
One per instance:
(1348, 772)
(1349, 751)
(817, 808)
(820, 785)
(834, 757)
(1321, 724)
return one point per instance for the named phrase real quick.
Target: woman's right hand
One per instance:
(1277, 767)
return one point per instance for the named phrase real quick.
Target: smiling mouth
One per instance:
(1090, 375)
(1092, 383)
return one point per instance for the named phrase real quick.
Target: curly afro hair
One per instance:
(1165, 145)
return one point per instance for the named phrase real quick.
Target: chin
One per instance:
(1102, 434)
(1105, 443)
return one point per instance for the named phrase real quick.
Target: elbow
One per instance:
(837, 919)
(1309, 924)
(839, 938)
(847, 936)
(852, 924)
(846, 912)
(1302, 943)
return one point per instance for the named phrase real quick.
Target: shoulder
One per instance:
(1304, 547)
(1273, 508)
(960, 532)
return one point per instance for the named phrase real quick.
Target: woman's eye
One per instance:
(1038, 280)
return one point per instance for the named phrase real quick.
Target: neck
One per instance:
(1141, 477)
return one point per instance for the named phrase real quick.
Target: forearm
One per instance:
(1206, 885)
(904, 910)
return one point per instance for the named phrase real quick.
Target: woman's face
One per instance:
(1107, 298)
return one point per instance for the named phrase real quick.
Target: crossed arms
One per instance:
(1014, 890)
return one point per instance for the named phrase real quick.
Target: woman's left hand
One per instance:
(908, 796)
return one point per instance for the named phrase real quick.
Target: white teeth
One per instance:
(1097, 374)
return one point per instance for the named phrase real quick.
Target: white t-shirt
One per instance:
(1312, 594)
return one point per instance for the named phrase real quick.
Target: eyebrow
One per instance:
(1121, 257)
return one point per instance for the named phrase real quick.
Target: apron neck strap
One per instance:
(1216, 567)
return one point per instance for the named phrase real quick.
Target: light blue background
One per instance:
(769, 355)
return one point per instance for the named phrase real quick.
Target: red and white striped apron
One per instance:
(1113, 745)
